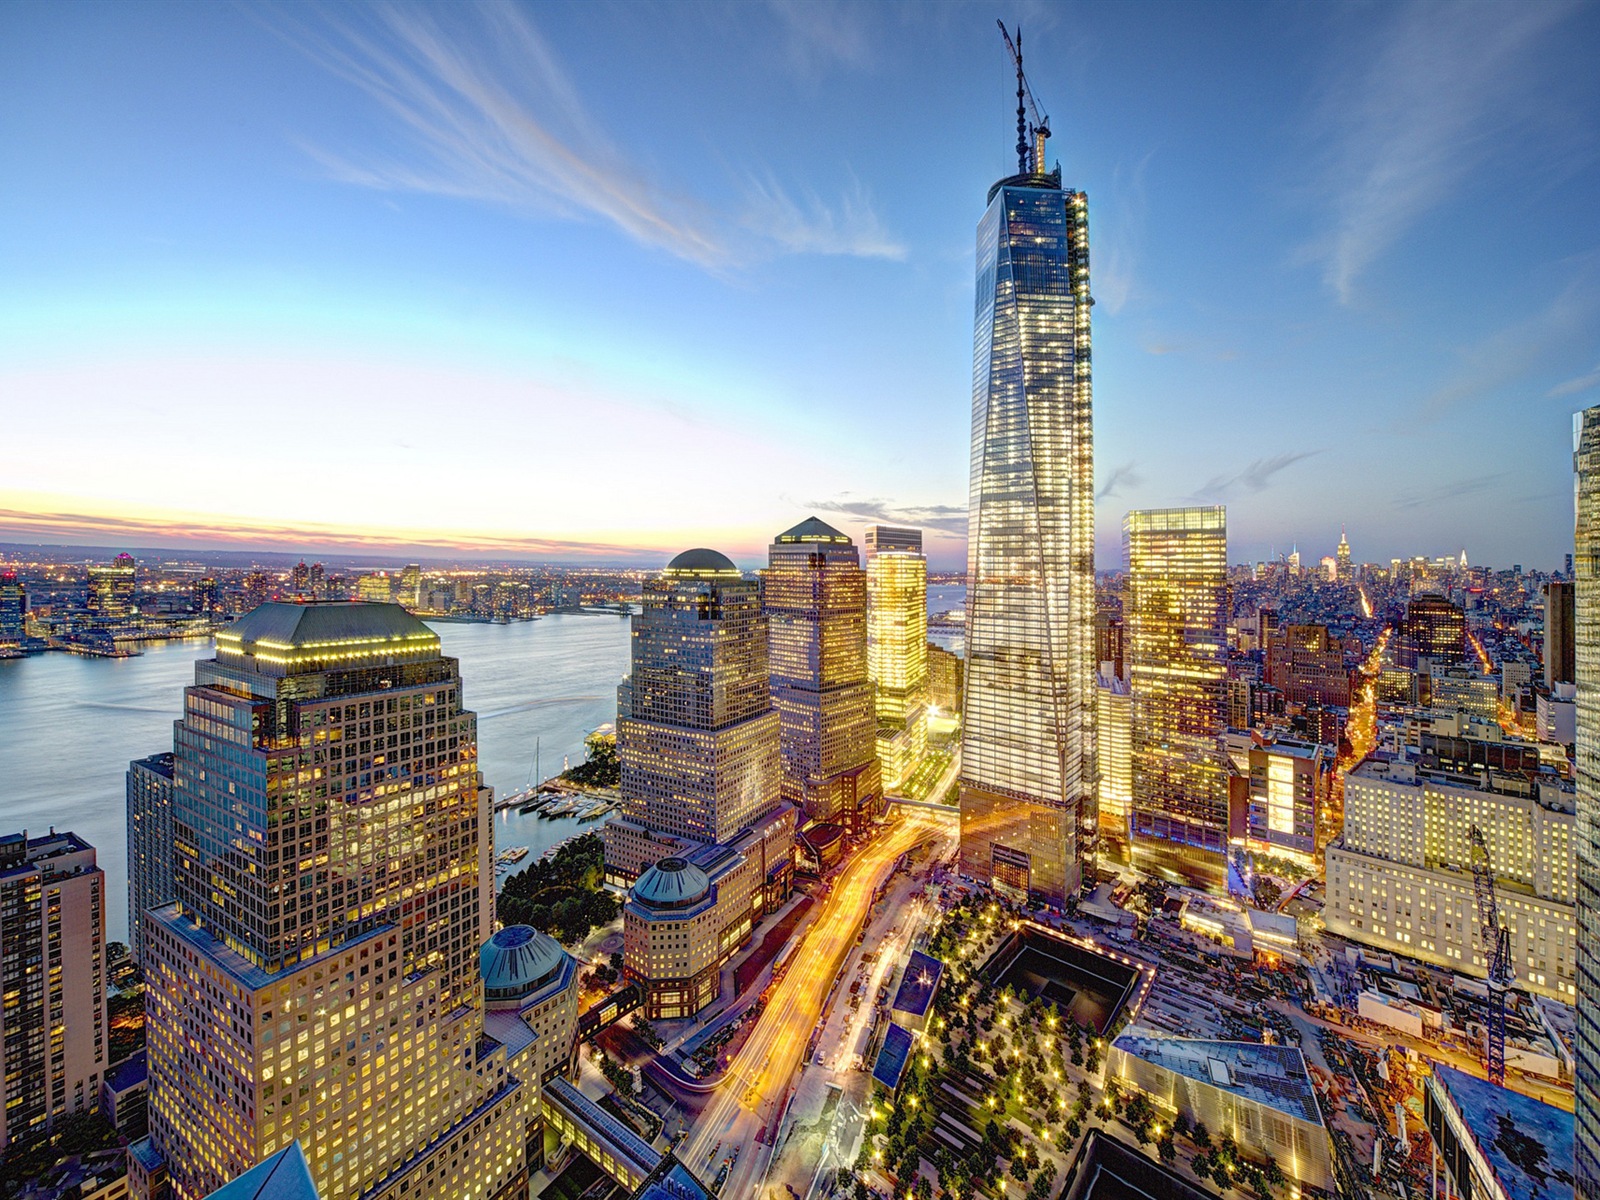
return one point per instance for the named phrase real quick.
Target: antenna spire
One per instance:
(1022, 124)
(1030, 159)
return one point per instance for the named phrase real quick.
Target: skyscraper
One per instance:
(704, 839)
(112, 589)
(1586, 651)
(1176, 610)
(152, 881)
(814, 593)
(53, 1040)
(318, 975)
(13, 609)
(1027, 744)
(1434, 628)
(897, 647)
(1343, 570)
(1114, 741)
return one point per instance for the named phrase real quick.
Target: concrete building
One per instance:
(1114, 750)
(1176, 609)
(53, 1038)
(897, 647)
(814, 594)
(1260, 1096)
(1027, 786)
(318, 977)
(1559, 626)
(946, 680)
(704, 841)
(1556, 715)
(1399, 877)
(1291, 785)
(1307, 666)
(151, 878)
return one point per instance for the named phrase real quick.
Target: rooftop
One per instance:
(1527, 1143)
(282, 1176)
(672, 1181)
(671, 883)
(517, 960)
(283, 638)
(918, 985)
(893, 1056)
(813, 529)
(1108, 1169)
(1274, 1076)
(701, 561)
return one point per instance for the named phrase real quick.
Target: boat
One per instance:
(564, 808)
(597, 811)
(511, 854)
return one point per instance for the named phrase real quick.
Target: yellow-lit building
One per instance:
(1176, 616)
(1114, 750)
(318, 977)
(897, 647)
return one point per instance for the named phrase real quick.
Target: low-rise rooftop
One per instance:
(1274, 1076)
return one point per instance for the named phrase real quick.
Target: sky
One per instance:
(601, 281)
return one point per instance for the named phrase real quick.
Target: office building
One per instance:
(1260, 1096)
(1307, 666)
(1291, 785)
(1027, 784)
(1586, 762)
(1434, 629)
(814, 593)
(1114, 750)
(704, 840)
(946, 681)
(410, 592)
(897, 647)
(152, 880)
(13, 610)
(1399, 877)
(318, 977)
(1176, 611)
(112, 589)
(1344, 571)
(1108, 642)
(1558, 632)
(1556, 715)
(53, 1039)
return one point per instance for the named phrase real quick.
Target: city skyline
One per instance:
(231, 213)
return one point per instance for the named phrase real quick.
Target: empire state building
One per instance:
(1027, 768)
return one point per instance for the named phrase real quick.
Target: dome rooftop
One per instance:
(813, 529)
(671, 883)
(702, 561)
(518, 960)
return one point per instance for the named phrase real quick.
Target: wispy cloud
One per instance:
(810, 226)
(1254, 478)
(1451, 491)
(482, 110)
(947, 518)
(1127, 475)
(1444, 89)
(1115, 278)
(819, 34)
(1573, 387)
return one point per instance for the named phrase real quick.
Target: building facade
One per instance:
(814, 593)
(54, 1046)
(1176, 612)
(897, 647)
(151, 878)
(704, 841)
(13, 610)
(1027, 784)
(112, 589)
(1399, 877)
(1114, 749)
(1558, 632)
(1291, 785)
(318, 976)
(1434, 628)
(1586, 762)
(1307, 666)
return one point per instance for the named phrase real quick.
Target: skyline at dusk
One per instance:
(514, 281)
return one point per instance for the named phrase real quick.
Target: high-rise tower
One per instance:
(1586, 648)
(814, 593)
(318, 976)
(1343, 570)
(1176, 610)
(897, 646)
(1027, 745)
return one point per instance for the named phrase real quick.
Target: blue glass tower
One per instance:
(1027, 768)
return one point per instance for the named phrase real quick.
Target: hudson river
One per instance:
(70, 725)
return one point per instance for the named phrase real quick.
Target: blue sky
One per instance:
(610, 279)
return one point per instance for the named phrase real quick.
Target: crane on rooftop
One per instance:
(1496, 940)
(1040, 126)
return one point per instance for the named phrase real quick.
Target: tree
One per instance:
(1019, 1169)
(647, 1032)
(1166, 1150)
(1272, 1172)
(1180, 1125)
(617, 961)
(1202, 1135)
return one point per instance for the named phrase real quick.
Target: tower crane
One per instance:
(1496, 940)
(1040, 126)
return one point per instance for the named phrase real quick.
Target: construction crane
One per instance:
(1496, 940)
(1040, 128)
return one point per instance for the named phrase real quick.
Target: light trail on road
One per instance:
(758, 1078)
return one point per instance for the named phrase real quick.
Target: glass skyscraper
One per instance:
(1586, 654)
(897, 646)
(1027, 746)
(1176, 613)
